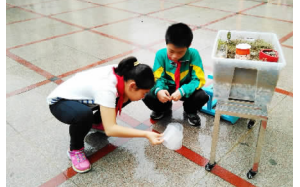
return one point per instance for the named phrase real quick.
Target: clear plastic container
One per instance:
(246, 80)
(173, 136)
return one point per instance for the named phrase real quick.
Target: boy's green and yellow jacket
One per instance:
(191, 72)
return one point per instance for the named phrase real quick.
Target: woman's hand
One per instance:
(154, 138)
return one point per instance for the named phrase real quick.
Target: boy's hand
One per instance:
(176, 95)
(154, 138)
(163, 96)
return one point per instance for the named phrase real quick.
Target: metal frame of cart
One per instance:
(243, 110)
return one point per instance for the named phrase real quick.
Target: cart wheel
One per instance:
(251, 174)
(208, 166)
(251, 124)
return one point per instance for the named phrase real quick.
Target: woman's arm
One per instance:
(108, 116)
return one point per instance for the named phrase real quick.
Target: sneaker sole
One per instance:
(97, 130)
(192, 124)
(80, 171)
(157, 118)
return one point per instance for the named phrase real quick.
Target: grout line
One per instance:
(96, 63)
(282, 20)
(29, 65)
(20, 21)
(130, 120)
(90, 2)
(285, 38)
(27, 10)
(59, 81)
(206, 7)
(170, 1)
(129, 11)
(68, 11)
(69, 172)
(217, 20)
(50, 38)
(251, 7)
(288, 46)
(19, 91)
(110, 23)
(68, 23)
(284, 92)
(115, 38)
(217, 170)
(163, 10)
(116, 2)
(282, 4)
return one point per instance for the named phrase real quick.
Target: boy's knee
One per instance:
(206, 97)
(202, 97)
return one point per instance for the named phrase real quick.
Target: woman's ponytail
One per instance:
(142, 74)
(125, 65)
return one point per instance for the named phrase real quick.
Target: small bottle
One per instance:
(242, 51)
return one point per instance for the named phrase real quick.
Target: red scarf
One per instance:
(177, 73)
(120, 89)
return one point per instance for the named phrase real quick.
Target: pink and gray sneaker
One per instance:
(98, 127)
(79, 161)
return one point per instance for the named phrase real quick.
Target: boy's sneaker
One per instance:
(98, 127)
(193, 119)
(79, 161)
(157, 115)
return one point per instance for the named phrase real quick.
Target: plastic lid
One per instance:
(243, 46)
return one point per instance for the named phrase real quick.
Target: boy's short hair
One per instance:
(179, 34)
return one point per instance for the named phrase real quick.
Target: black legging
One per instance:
(190, 105)
(79, 116)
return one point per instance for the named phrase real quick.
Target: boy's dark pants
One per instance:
(79, 116)
(190, 105)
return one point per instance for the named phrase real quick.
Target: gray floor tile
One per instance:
(23, 32)
(19, 76)
(138, 33)
(286, 75)
(143, 6)
(138, 163)
(29, 109)
(227, 5)
(195, 16)
(86, 17)
(55, 7)
(16, 14)
(25, 165)
(253, 24)
(275, 11)
(25, 2)
(289, 42)
(98, 45)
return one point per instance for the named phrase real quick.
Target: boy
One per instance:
(179, 75)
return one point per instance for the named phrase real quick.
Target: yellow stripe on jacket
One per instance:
(182, 75)
(158, 72)
(200, 74)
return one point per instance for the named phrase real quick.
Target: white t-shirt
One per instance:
(95, 86)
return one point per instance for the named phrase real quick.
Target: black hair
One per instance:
(142, 73)
(179, 34)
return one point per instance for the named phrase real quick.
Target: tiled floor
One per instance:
(48, 41)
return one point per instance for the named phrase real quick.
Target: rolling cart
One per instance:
(244, 88)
